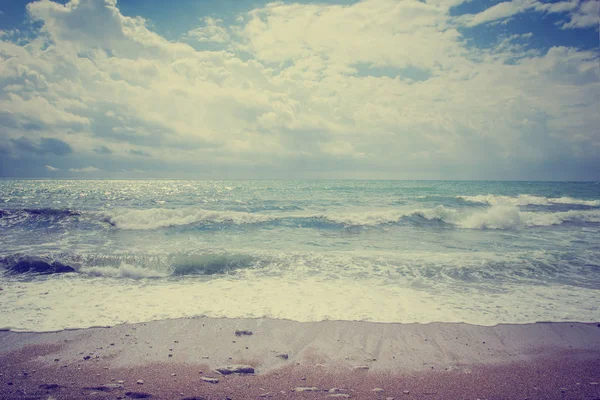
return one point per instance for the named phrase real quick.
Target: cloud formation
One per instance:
(376, 89)
(581, 14)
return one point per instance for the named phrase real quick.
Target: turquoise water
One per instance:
(389, 251)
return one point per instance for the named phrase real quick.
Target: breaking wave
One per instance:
(526, 200)
(496, 217)
(503, 214)
(162, 218)
(135, 266)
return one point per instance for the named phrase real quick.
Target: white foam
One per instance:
(123, 271)
(387, 216)
(496, 217)
(56, 304)
(509, 217)
(161, 217)
(525, 200)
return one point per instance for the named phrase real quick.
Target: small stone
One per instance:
(173, 374)
(406, 392)
(379, 390)
(364, 367)
(87, 357)
(283, 356)
(243, 333)
(563, 390)
(49, 386)
(335, 390)
(138, 395)
(113, 386)
(121, 382)
(209, 380)
(305, 389)
(140, 382)
(205, 357)
(235, 369)
(389, 398)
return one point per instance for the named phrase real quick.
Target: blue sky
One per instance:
(381, 89)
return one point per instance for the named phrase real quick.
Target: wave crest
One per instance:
(162, 218)
(526, 200)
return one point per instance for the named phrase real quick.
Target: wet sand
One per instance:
(177, 359)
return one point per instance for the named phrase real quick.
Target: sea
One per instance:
(84, 253)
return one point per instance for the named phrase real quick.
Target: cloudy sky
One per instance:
(384, 89)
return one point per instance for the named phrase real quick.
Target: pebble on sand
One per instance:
(209, 380)
(361, 367)
(140, 382)
(305, 389)
(235, 369)
(378, 390)
(138, 395)
(49, 386)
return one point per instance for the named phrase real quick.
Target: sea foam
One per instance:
(161, 218)
(525, 200)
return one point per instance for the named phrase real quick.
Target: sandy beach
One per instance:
(180, 359)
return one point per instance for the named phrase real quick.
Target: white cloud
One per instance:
(585, 16)
(210, 32)
(498, 12)
(304, 92)
(86, 169)
(51, 168)
(582, 13)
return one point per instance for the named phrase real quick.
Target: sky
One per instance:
(239, 89)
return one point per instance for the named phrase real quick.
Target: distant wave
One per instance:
(501, 215)
(525, 200)
(496, 217)
(162, 218)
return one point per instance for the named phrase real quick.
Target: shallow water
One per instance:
(388, 251)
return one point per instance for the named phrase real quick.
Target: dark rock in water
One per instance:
(49, 386)
(37, 266)
(138, 395)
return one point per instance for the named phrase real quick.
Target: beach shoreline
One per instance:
(177, 359)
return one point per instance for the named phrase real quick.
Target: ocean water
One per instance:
(388, 251)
